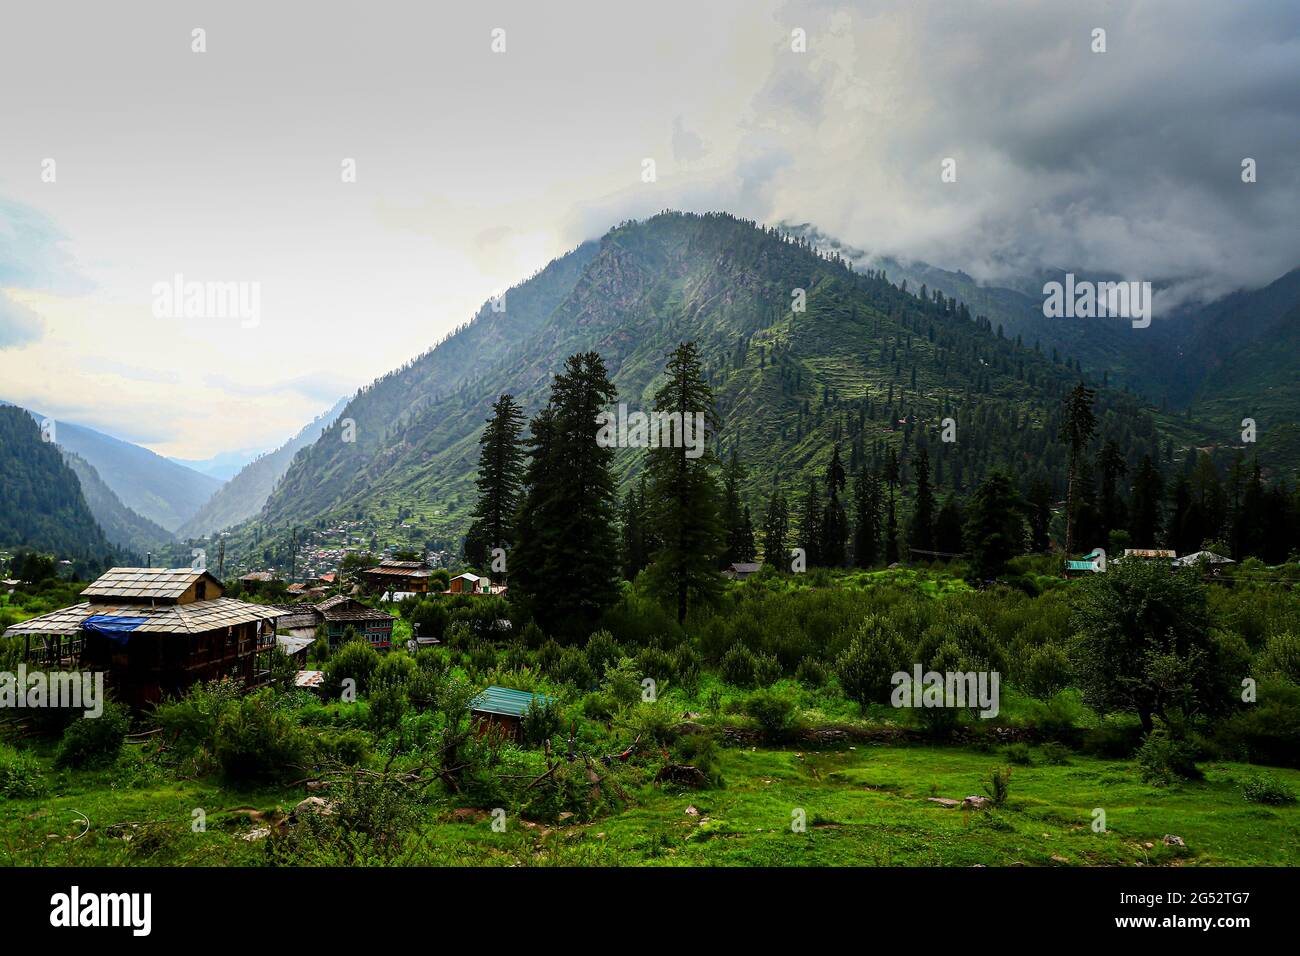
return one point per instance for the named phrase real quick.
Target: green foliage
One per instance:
(355, 660)
(1163, 760)
(20, 774)
(256, 743)
(774, 713)
(541, 722)
(998, 788)
(94, 741)
(866, 667)
(1266, 788)
(739, 666)
(1047, 671)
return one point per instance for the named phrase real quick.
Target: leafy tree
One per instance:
(1143, 645)
(684, 494)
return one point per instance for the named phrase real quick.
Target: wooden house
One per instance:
(392, 575)
(504, 707)
(341, 612)
(740, 570)
(468, 583)
(154, 632)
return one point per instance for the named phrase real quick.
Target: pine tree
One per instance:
(565, 526)
(683, 493)
(949, 527)
(1039, 511)
(810, 532)
(834, 523)
(994, 526)
(1145, 524)
(1111, 513)
(1077, 425)
(867, 527)
(776, 526)
(922, 530)
(733, 513)
(500, 475)
(891, 522)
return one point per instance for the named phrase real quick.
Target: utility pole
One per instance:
(221, 558)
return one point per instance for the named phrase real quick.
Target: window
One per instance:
(201, 590)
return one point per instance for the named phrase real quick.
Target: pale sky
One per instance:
(475, 168)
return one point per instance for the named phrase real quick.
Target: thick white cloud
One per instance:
(474, 168)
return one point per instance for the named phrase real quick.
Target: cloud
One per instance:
(19, 325)
(33, 252)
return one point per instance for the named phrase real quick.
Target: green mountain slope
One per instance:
(243, 495)
(122, 527)
(41, 504)
(865, 364)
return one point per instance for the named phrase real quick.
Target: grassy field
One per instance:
(864, 805)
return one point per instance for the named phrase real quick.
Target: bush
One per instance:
(867, 667)
(1056, 755)
(811, 672)
(1281, 658)
(774, 713)
(191, 721)
(541, 722)
(356, 661)
(602, 650)
(257, 743)
(1047, 671)
(700, 751)
(999, 786)
(767, 670)
(1019, 754)
(573, 668)
(1267, 731)
(20, 774)
(350, 747)
(1162, 760)
(1265, 788)
(93, 741)
(738, 666)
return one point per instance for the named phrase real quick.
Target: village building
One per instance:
(468, 583)
(255, 580)
(341, 612)
(740, 570)
(504, 707)
(393, 575)
(154, 632)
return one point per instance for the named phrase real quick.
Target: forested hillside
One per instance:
(41, 504)
(861, 360)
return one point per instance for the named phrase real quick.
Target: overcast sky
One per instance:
(475, 168)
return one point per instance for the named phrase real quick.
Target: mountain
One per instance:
(865, 364)
(243, 496)
(147, 483)
(122, 526)
(222, 467)
(41, 504)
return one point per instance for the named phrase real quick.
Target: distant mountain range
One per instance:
(123, 527)
(222, 467)
(243, 496)
(868, 363)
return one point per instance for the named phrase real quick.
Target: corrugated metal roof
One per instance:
(292, 645)
(143, 584)
(506, 700)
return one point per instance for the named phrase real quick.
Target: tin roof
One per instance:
(292, 645)
(195, 618)
(506, 700)
(145, 584)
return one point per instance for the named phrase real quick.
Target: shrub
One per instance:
(356, 661)
(20, 774)
(541, 722)
(999, 786)
(1162, 760)
(602, 650)
(1267, 731)
(1281, 657)
(1047, 671)
(350, 746)
(93, 741)
(573, 668)
(739, 666)
(774, 713)
(255, 742)
(811, 672)
(190, 722)
(767, 670)
(1056, 755)
(867, 667)
(1019, 754)
(655, 663)
(701, 752)
(1265, 788)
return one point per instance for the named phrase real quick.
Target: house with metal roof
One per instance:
(504, 707)
(394, 575)
(155, 632)
(340, 612)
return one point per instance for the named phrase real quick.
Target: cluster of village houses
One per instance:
(155, 632)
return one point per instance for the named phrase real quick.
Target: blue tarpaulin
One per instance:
(112, 627)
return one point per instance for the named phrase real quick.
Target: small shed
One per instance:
(504, 707)
(740, 570)
(468, 583)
